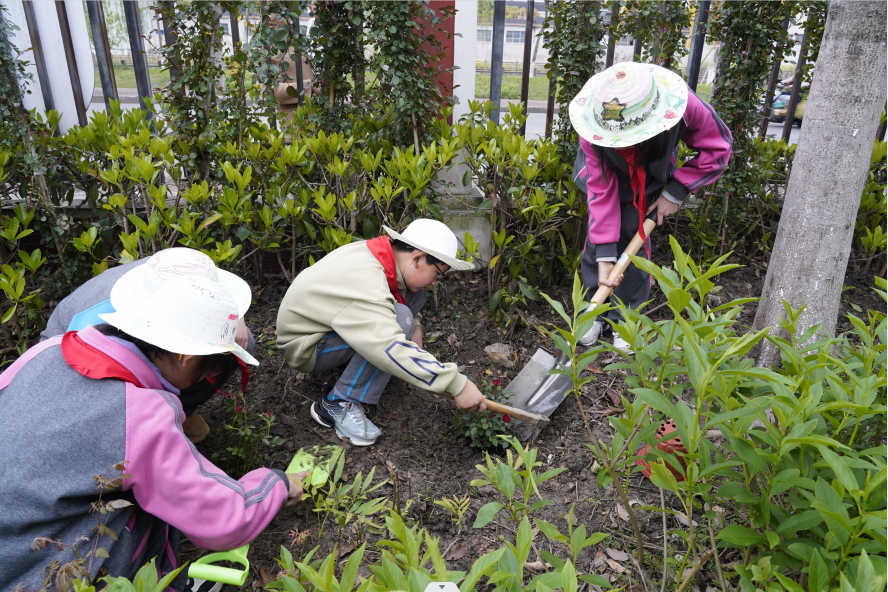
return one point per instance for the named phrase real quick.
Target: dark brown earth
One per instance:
(418, 430)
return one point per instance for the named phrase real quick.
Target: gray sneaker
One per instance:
(348, 418)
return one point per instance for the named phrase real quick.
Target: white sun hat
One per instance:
(186, 315)
(434, 238)
(627, 104)
(135, 288)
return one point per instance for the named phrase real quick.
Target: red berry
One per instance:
(506, 418)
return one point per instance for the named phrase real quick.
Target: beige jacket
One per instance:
(346, 292)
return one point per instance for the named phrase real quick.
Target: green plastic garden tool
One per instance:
(320, 461)
(203, 568)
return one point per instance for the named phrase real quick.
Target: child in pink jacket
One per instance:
(79, 405)
(630, 119)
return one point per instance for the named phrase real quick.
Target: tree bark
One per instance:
(829, 172)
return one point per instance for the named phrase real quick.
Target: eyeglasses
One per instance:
(440, 277)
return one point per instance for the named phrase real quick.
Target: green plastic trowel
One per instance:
(321, 461)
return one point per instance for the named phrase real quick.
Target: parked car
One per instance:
(781, 103)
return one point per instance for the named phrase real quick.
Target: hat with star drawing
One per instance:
(627, 104)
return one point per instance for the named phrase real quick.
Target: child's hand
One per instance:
(470, 398)
(604, 269)
(295, 493)
(664, 208)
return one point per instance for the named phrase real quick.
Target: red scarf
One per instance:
(381, 247)
(637, 179)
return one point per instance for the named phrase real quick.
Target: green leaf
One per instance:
(841, 470)
(801, 521)
(818, 574)
(663, 477)
(740, 536)
(487, 513)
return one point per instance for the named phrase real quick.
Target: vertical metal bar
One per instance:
(235, 29)
(140, 61)
(772, 84)
(71, 60)
(297, 60)
(796, 89)
(637, 46)
(39, 62)
(496, 59)
(611, 40)
(103, 51)
(698, 42)
(170, 37)
(525, 72)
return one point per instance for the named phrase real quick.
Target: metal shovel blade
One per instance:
(535, 390)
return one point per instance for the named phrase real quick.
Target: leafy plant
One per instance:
(808, 482)
(247, 446)
(516, 474)
(482, 428)
(457, 508)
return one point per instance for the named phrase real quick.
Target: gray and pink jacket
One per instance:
(607, 183)
(73, 407)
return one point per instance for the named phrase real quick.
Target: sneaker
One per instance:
(195, 428)
(593, 334)
(348, 418)
(622, 345)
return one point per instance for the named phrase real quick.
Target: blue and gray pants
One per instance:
(361, 381)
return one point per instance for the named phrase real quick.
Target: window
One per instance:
(514, 36)
(484, 35)
(225, 27)
(626, 40)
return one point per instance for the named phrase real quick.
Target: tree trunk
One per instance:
(829, 172)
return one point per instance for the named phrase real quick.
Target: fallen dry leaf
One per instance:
(621, 511)
(471, 362)
(537, 565)
(265, 576)
(684, 520)
(595, 369)
(456, 552)
(598, 560)
(451, 339)
(615, 566)
(617, 554)
(614, 396)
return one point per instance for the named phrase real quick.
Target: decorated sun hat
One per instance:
(186, 315)
(135, 288)
(434, 238)
(627, 104)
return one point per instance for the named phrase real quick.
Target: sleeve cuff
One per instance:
(606, 252)
(457, 385)
(283, 477)
(675, 192)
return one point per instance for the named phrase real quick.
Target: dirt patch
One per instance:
(418, 427)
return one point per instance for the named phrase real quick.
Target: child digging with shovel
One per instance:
(630, 119)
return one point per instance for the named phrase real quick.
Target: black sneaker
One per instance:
(319, 412)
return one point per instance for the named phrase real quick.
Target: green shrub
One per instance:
(803, 458)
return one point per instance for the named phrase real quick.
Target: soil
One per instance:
(433, 463)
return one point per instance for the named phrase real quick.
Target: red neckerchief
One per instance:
(93, 363)
(637, 179)
(381, 248)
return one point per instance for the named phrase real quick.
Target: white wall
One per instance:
(464, 56)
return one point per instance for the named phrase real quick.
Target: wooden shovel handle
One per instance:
(525, 416)
(494, 407)
(623, 262)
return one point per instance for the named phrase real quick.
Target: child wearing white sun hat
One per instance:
(630, 119)
(104, 401)
(358, 307)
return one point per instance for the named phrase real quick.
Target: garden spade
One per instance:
(321, 462)
(534, 389)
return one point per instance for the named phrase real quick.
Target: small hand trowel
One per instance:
(320, 461)
(537, 391)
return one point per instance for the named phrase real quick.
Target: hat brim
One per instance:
(674, 100)
(130, 322)
(457, 264)
(127, 291)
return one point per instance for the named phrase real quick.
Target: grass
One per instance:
(126, 77)
(511, 89)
